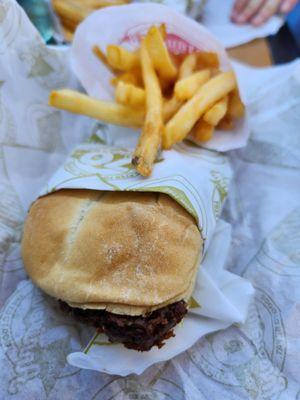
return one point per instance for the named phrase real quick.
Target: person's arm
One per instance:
(256, 12)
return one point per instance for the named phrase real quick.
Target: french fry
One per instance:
(68, 34)
(122, 59)
(102, 57)
(207, 59)
(186, 88)
(130, 95)
(170, 107)
(202, 131)
(134, 77)
(68, 24)
(236, 108)
(111, 113)
(163, 31)
(182, 122)
(150, 139)
(159, 54)
(70, 10)
(226, 124)
(214, 115)
(187, 66)
(177, 60)
(137, 72)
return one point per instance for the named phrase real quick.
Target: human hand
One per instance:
(256, 12)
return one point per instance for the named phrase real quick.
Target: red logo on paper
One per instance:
(176, 44)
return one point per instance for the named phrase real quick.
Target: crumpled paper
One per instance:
(104, 164)
(216, 17)
(257, 360)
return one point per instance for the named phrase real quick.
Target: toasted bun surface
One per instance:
(127, 252)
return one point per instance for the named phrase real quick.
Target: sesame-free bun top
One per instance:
(126, 252)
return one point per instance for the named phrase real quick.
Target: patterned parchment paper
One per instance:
(257, 360)
(198, 180)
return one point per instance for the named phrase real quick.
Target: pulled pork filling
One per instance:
(135, 332)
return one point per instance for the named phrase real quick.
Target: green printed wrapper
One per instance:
(196, 178)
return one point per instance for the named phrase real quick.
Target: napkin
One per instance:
(216, 18)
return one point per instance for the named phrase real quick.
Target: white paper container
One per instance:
(125, 25)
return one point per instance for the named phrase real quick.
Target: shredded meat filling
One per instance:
(135, 332)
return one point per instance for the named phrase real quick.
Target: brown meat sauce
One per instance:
(135, 332)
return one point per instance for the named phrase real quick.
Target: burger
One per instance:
(124, 262)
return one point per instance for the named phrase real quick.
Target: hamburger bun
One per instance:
(124, 252)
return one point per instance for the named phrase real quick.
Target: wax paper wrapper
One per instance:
(194, 177)
(130, 23)
(35, 139)
(197, 179)
(258, 359)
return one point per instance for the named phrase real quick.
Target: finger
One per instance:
(238, 6)
(269, 8)
(287, 5)
(249, 11)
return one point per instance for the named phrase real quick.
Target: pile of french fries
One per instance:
(169, 97)
(72, 12)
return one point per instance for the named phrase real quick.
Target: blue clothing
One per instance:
(293, 21)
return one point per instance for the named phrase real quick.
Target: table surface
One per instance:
(256, 53)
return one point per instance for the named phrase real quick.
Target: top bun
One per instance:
(126, 252)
